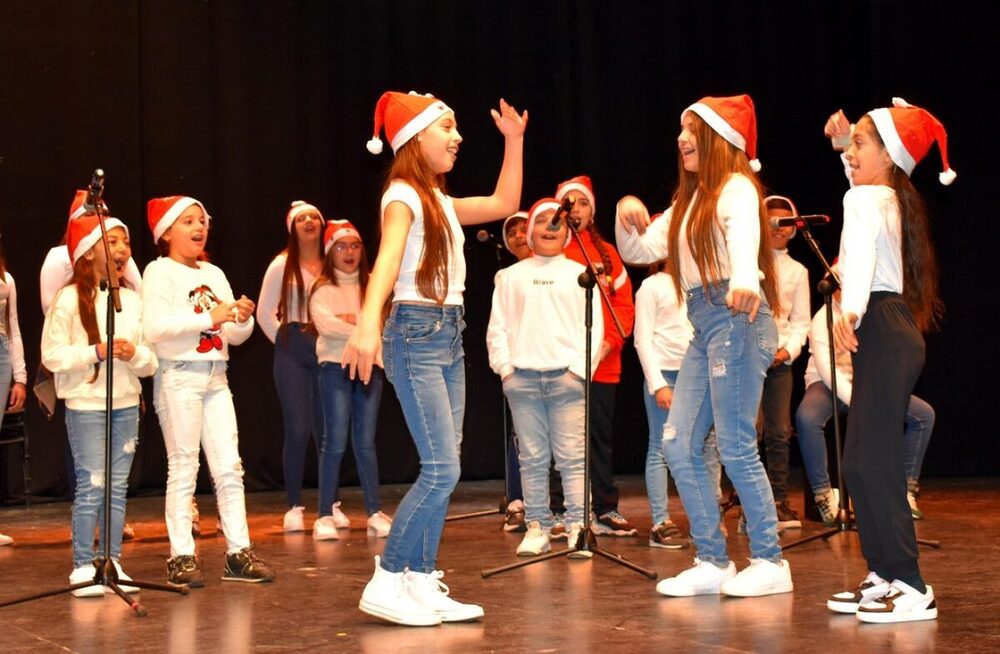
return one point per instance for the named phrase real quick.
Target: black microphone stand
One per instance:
(105, 573)
(586, 544)
(845, 519)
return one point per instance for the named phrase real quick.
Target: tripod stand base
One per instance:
(848, 526)
(586, 548)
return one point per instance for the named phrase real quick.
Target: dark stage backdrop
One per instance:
(248, 106)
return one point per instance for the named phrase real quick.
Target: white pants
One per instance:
(195, 408)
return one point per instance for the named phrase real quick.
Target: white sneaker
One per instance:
(703, 578)
(761, 577)
(379, 524)
(572, 538)
(325, 529)
(386, 597)
(294, 520)
(828, 504)
(903, 603)
(339, 519)
(432, 593)
(6, 540)
(869, 590)
(536, 540)
(82, 574)
(122, 578)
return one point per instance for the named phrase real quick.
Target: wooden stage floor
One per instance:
(556, 606)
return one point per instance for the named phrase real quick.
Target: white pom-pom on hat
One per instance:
(947, 177)
(374, 145)
(755, 165)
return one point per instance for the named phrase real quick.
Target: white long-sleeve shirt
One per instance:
(176, 305)
(57, 271)
(737, 228)
(662, 329)
(793, 289)
(537, 320)
(8, 298)
(818, 368)
(67, 352)
(871, 252)
(270, 297)
(326, 303)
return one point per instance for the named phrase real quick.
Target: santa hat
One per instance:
(520, 215)
(77, 208)
(580, 184)
(299, 207)
(908, 133)
(734, 119)
(336, 230)
(535, 215)
(85, 232)
(404, 115)
(163, 212)
(782, 200)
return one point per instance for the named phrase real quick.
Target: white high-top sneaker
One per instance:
(386, 597)
(703, 578)
(432, 593)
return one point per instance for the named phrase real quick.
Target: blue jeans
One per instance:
(720, 382)
(6, 372)
(86, 430)
(547, 407)
(657, 473)
(296, 376)
(349, 406)
(815, 411)
(425, 363)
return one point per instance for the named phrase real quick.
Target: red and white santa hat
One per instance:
(781, 198)
(85, 232)
(908, 133)
(535, 215)
(520, 215)
(734, 119)
(300, 207)
(336, 230)
(77, 208)
(163, 212)
(580, 184)
(403, 115)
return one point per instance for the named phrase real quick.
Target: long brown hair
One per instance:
(86, 293)
(410, 167)
(292, 277)
(602, 250)
(920, 268)
(718, 160)
(3, 280)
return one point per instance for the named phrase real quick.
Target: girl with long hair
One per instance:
(74, 347)
(888, 274)
(349, 405)
(282, 316)
(421, 263)
(713, 236)
(13, 373)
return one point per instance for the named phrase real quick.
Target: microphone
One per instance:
(555, 224)
(94, 191)
(799, 222)
(484, 236)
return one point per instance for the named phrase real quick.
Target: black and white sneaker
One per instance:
(903, 603)
(246, 566)
(848, 601)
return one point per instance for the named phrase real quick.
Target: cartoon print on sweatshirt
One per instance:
(204, 300)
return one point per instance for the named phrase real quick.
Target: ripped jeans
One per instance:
(86, 430)
(195, 408)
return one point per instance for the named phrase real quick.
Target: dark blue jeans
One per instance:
(296, 377)
(349, 407)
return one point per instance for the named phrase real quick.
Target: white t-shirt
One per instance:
(662, 329)
(793, 290)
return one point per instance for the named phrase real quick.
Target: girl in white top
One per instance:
(190, 317)
(421, 263)
(349, 405)
(74, 347)
(282, 316)
(12, 368)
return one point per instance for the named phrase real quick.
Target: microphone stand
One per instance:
(586, 544)
(845, 519)
(105, 573)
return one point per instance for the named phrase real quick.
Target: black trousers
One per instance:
(887, 364)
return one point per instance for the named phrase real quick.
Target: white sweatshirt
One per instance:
(67, 352)
(328, 301)
(662, 329)
(793, 289)
(737, 231)
(176, 305)
(57, 271)
(818, 368)
(537, 321)
(270, 296)
(8, 298)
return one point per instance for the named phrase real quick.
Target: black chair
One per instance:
(13, 432)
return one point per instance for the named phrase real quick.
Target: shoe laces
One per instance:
(429, 582)
(614, 516)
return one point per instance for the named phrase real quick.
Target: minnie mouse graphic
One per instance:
(204, 300)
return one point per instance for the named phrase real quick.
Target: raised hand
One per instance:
(508, 121)
(633, 214)
(838, 129)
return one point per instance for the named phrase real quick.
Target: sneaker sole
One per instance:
(666, 546)
(686, 592)
(772, 589)
(371, 531)
(544, 550)
(891, 616)
(332, 537)
(431, 620)
(790, 524)
(842, 607)
(468, 616)
(580, 555)
(90, 591)
(248, 580)
(608, 531)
